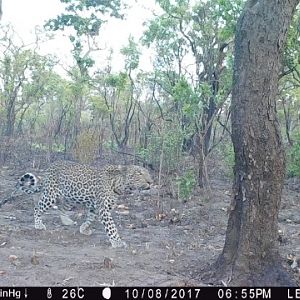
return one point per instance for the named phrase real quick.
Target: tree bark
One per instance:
(10, 118)
(250, 254)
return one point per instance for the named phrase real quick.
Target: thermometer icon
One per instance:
(49, 293)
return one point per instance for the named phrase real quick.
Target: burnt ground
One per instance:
(169, 241)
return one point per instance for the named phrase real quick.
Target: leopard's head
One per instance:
(137, 178)
(130, 177)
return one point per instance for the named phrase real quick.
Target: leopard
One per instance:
(95, 188)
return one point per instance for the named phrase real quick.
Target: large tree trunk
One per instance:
(250, 254)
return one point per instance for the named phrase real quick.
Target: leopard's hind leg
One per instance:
(47, 201)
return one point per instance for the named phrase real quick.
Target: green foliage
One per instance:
(132, 54)
(167, 145)
(228, 13)
(24, 77)
(85, 18)
(186, 184)
(116, 80)
(193, 64)
(98, 106)
(293, 158)
(292, 49)
(227, 153)
(183, 91)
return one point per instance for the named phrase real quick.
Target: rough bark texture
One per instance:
(250, 255)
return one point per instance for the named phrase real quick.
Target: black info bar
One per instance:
(149, 293)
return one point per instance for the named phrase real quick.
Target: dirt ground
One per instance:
(168, 247)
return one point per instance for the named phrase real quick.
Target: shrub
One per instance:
(186, 184)
(169, 144)
(227, 153)
(293, 159)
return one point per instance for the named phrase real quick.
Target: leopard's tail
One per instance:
(29, 184)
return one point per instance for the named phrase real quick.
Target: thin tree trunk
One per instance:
(10, 118)
(1, 11)
(287, 121)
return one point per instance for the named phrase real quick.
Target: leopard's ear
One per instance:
(115, 169)
(123, 168)
(120, 168)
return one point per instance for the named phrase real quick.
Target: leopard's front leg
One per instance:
(110, 228)
(85, 227)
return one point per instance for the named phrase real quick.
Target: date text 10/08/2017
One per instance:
(162, 293)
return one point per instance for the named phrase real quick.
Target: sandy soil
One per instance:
(165, 247)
